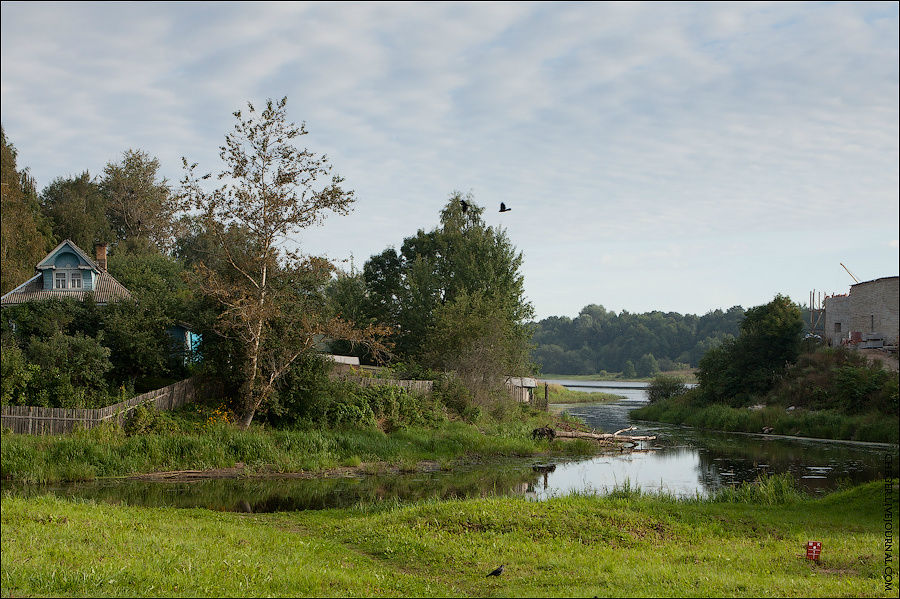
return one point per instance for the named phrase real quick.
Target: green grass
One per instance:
(688, 376)
(108, 451)
(823, 424)
(627, 544)
(561, 394)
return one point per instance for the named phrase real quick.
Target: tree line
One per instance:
(600, 340)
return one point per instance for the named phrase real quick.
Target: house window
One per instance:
(67, 280)
(837, 327)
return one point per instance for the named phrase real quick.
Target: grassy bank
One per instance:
(739, 544)
(824, 424)
(688, 376)
(108, 451)
(561, 394)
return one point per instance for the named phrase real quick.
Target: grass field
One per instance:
(561, 394)
(627, 544)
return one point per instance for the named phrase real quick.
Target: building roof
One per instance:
(521, 381)
(106, 289)
(48, 263)
(351, 360)
(882, 279)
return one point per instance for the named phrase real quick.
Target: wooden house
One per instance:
(68, 272)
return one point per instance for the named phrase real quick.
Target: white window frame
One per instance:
(66, 279)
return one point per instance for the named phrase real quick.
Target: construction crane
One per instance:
(848, 272)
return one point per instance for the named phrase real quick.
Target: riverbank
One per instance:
(822, 424)
(627, 544)
(217, 447)
(688, 376)
(559, 394)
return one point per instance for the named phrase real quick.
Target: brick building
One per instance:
(875, 312)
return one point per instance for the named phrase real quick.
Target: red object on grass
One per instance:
(813, 549)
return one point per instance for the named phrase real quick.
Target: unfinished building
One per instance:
(868, 317)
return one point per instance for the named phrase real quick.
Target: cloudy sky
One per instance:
(675, 157)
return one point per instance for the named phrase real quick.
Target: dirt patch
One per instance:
(888, 360)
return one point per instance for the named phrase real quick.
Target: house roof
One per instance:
(521, 381)
(48, 263)
(351, 360)
(106, 288)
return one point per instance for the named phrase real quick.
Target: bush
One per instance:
(308, 395)
(148, 420)
(665, 386)
(17, 377)
(453, 393)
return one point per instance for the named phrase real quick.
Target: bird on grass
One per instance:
(503, 207)
(496, 572)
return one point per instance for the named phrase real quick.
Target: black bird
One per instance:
(503, 207)
(496, 572)
(465, 205)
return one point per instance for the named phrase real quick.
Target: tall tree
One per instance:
(26, 236)
(455, 297)
(271, 191)
(741, 369)
(77, 210)
(140, 207)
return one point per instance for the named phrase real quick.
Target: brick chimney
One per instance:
(100, 250)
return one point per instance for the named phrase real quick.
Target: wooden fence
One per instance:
(32, 420)
(423, 387)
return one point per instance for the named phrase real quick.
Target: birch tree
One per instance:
(269, 189)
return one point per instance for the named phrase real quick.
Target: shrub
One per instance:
(148, 420)
(665, 386)
(453, 393)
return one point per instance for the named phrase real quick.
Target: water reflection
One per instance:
(688, 461)
(682, 461)
(278, 495)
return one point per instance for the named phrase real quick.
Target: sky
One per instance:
(668, 156)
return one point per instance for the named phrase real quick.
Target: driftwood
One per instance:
(616, 436)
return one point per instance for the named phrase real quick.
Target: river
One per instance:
(685, 461)
(682, 461)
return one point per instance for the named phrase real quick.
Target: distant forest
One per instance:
(634, 344)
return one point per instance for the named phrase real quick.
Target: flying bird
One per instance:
(496, 572)
(503, 207)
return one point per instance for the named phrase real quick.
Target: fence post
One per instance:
(546, 397)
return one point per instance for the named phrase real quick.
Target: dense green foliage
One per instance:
(747, 542)
(749, 366)
(308, 395)
(665, 386)
(761, 381)
(837, 379)
(638, 345)
(68, 353)
(25, 236)
(453, 298)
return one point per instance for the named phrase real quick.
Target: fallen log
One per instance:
(616, 436)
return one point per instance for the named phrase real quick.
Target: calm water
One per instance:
(682, 461)
(686, 461)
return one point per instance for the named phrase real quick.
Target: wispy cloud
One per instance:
(605, 126)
